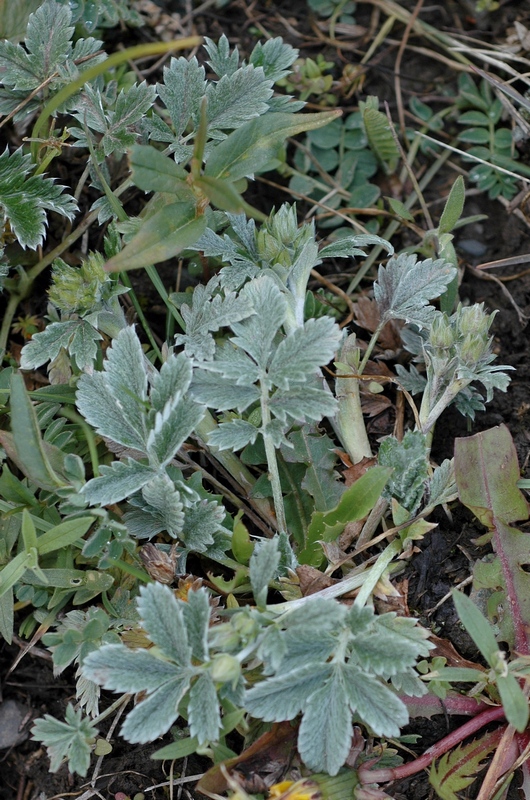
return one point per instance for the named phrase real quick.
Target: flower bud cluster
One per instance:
(76, 290)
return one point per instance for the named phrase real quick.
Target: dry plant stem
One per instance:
(397, 68)
(505, 755)
(367, 775)
(410, 172)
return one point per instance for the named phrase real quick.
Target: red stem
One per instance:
(367, 775)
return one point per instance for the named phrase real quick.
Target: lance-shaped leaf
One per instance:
(164, 622)
(154, 172)
(263, 569)
(486, 472)
(161, 236)
(255, 144)
(41, 461)
(203, 710)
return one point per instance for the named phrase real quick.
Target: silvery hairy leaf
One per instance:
(196, 613)
(117, 481)
(210, 312)
(171, 427)
(348, 246)
(233, 435)
(409, 458)
(255, 335)
(324, 738)
(221, 60)
(301, 403)
(374, 702)
(300, 354)
(155, 715)
(286, 695)
(390, 645)
(46, 345)
(171, 382)
(275, 56)
(405, 286)
(223, 393)
(263, 569)
(112, 401)
(163, 502)
(71, 739)
(163, 621)
(117, 667)
(201, 524)
(25, 198)
(182, 90)
(203, 710)
(410, 379)
(237, 98)
(118, 122)
(442, 486)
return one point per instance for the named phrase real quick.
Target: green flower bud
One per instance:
(441, 335)
(76, 290)
(225, 669)
(473, 348)
(473, 320)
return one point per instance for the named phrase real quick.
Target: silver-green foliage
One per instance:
(150, 414)
(327, 662)
(25, 198)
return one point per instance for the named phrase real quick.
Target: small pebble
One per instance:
(472, 247)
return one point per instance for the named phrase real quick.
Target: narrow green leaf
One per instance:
(476, 625)
(13, 571)
(453, 207)
(179, 749)
(222, 194)
(29, 534)
(63, 535)
(32, 456)
(170, 230)
(514, 702)
(7, 615)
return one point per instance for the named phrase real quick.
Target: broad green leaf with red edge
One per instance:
(486, 472)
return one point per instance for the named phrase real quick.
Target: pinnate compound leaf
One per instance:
(24, 200)
(164, 622)
(324, 738)
(203, 710)
(121, 669)
(113, 400)
(155, 715)
(171, 382)
(171, 428)
(237, 98)
(348, 246)
(275, 56)
(405, 286)
(263, 569)
(302, 403)
(300, 354)
(71, 739)
(457, 769)
(116, 481)
(255, 335)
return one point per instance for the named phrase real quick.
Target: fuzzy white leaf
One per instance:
(154, 716)
(233, 435)
(164, 622)
(263, 569)
(300, 354)
(117, 481)
(375, 703)
(203, 710)
(121, 669)
(197, 619)
(284, 696)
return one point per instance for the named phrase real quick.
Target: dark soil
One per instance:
(445, 558)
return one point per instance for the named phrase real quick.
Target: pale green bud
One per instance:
(472, 349)
(473, 320)
(441, 335)
(76, 290)
(225, 669)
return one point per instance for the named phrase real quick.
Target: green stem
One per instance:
(272, 463)
(161, 289)
(140, 314)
